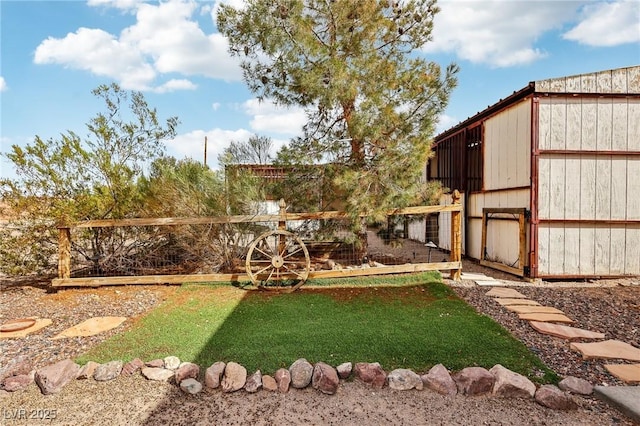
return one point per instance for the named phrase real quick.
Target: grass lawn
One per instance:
(412, 321)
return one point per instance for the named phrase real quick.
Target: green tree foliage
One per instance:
(71, 178)
(372, 102)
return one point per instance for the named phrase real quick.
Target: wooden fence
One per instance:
(65, 279)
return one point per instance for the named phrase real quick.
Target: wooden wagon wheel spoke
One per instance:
(286, 257)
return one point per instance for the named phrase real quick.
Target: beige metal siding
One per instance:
(507, 147)
(622, 80)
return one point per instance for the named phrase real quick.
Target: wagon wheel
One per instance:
(278, 260)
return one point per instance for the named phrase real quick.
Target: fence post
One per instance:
(64, 253)
(456, 236)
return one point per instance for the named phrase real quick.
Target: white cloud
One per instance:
(215, 106)
(165, 39)
(3, 84)
(270, 118)
(175, 84)
(497, 33)
(445, 122)
(608, 24)
(191, 144)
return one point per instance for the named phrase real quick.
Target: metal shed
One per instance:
(551, 177)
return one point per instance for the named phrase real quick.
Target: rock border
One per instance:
(232, 377)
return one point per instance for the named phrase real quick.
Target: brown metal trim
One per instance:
(591, 221)
(588, 95)
(533, 196)
(513, 188)
(586, 153)
(581, 277)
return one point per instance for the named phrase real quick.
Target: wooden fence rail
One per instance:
(64, 263)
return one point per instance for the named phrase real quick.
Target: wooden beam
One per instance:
(64, 253)
(502, 267)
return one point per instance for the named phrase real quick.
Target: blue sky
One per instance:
(53, 53)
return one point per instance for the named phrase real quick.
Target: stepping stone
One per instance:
(542, 317)
(533, 309)
(40, 323)
(609, 349)
(628, 373)
(471, 277)
(506, 292)
(564, 332)
(91, 327)
(513, 302)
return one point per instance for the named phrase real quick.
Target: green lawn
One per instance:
(407, 321)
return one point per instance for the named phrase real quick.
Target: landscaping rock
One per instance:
(213, 375)
(191, 386)
(156, 363)
(552, 397)
(187, 370)
(88, 370)
(131, 367)
(254, 382)
(576, 385)
(52, 378)
(511, 384)
(269, 383)
(16, 367)
(108, 371)
(371, 374)
(301, 373)
(158, 374)
(474, 381)
(16, 383)
(283, 379)
(235, 376)
(325, 378)
(171, 362)
(404, 379)
(344, 370)
(439, 380)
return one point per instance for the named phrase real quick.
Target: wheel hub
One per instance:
(277, 261)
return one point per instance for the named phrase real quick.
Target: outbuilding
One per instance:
(550, 177)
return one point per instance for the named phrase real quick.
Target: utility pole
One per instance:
(205, 151)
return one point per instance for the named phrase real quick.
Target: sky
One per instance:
(53, 53)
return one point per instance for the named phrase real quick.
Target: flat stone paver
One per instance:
(628, 373)
(564, 331)
(40, 324)
(91, 327)
(543, 317)
(519, 309)
(624, 398)
(505, 292)
(512, 302)
(489, 282)
(609, 349)
(471, 276)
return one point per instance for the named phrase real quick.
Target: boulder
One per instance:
(88, 370)
(325, 378)
(171, 362)
(187, 370)
(191, 386)
(16, 367)
(344, 370)
(254, 382)
(16, 383)
(52, 378)
(235, 376)
(131, 367)
(269, 383)
(301, 373)
(404, 379)
(213, 375)
(371, 374)
(439, 380)
(158, 374)
(511, 384)
(552, 397)
(473, 381)
(108, 371)
(576, 385)
(283, 379)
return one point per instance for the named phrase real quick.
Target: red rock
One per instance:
(269, 383)
(16, 383)
(576, 385)
(344, 370)
(156, 363)
(88, 370)
(213, 375)
(325, 378)
(132, 367)
(371, 373)
(254, 382)
(438, 379)
(187, 370)
(511, 384)
(283, 379)
(52, 378)
(474, 381)
(235, 376)
(301, 373)
(552, 397)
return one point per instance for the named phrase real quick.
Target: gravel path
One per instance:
(605, 306)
